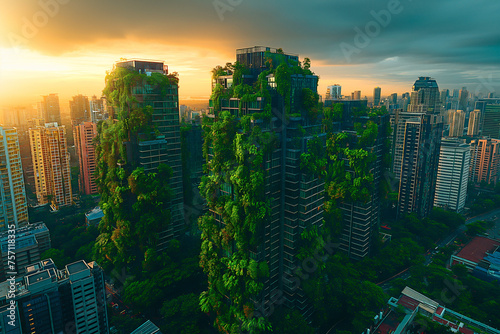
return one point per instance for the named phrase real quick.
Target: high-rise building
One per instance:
(481, 106)
(13, 205)
(51, 165)
(462, 99)
(485, 160)
(453, 175)
(356, 95)
(424, 99)
(97, 109)
(79, 109)
(295, 197)
(418, 140)
(376, 96)
(31, 241)
(445, 93)
(162, 147)
(84, 134)
(49, 300)
(361, 219)
(491, 125)
(474, 120)
(393, 99)
(49, 109)
(456, 119)
(333, 92)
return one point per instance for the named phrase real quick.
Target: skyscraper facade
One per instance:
(420, 141)
(51, 167)
(491, 125)
(456, 119)
(376, 96)
(13, 204)
(97, 109)
(49, 300)
(79, 109)
(333, 92)
(485, 160)
(295, 197)
(356, 95)
(49, 109)
(453, 175)
(84, 134)
(462, 99)
(164, 146)
(474, 123)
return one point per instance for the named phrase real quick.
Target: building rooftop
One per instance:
(478, 248)
(95, 213)
(147, 328)
(76, 267)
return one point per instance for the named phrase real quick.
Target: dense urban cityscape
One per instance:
(281, 203)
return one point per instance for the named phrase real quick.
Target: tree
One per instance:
(57, 255)
(182, 314)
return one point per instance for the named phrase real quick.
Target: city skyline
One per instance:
(52, 42)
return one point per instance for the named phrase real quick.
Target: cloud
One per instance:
(424, 36)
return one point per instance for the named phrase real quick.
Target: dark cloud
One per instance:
(423, 33)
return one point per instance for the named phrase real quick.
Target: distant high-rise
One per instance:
(97, 109)
(49, 300)
(474, 120)
(13, 205)
(485, 160)
(425, 97)
(49, 109)
(356, 95)
(453, 175)
(51, 167)
(333, 92)
(418, 141)
(79, 109)
(376, 96)
(445, 93)
(393, 99)
(456, 119)
(84, 134)
(491, 125)
(462, 99)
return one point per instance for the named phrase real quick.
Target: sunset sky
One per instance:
(66, 46)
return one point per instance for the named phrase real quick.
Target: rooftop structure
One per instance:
(475, 251)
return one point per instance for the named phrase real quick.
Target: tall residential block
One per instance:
(49, 300)
(79, 109)
(456, 119)
(49, 109)
(485, 160)
(333, 92)
(474, 123)
(453, 175)
(31, 241)
(13, 205)
(356, 95)
(361, 219)
(98, 110)
(376, 96)
(462, 99)
(84, 134)
(51, 167)
(295, 196)
(164, 146)
(419, 142)
(491, 125)
(425, 99)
